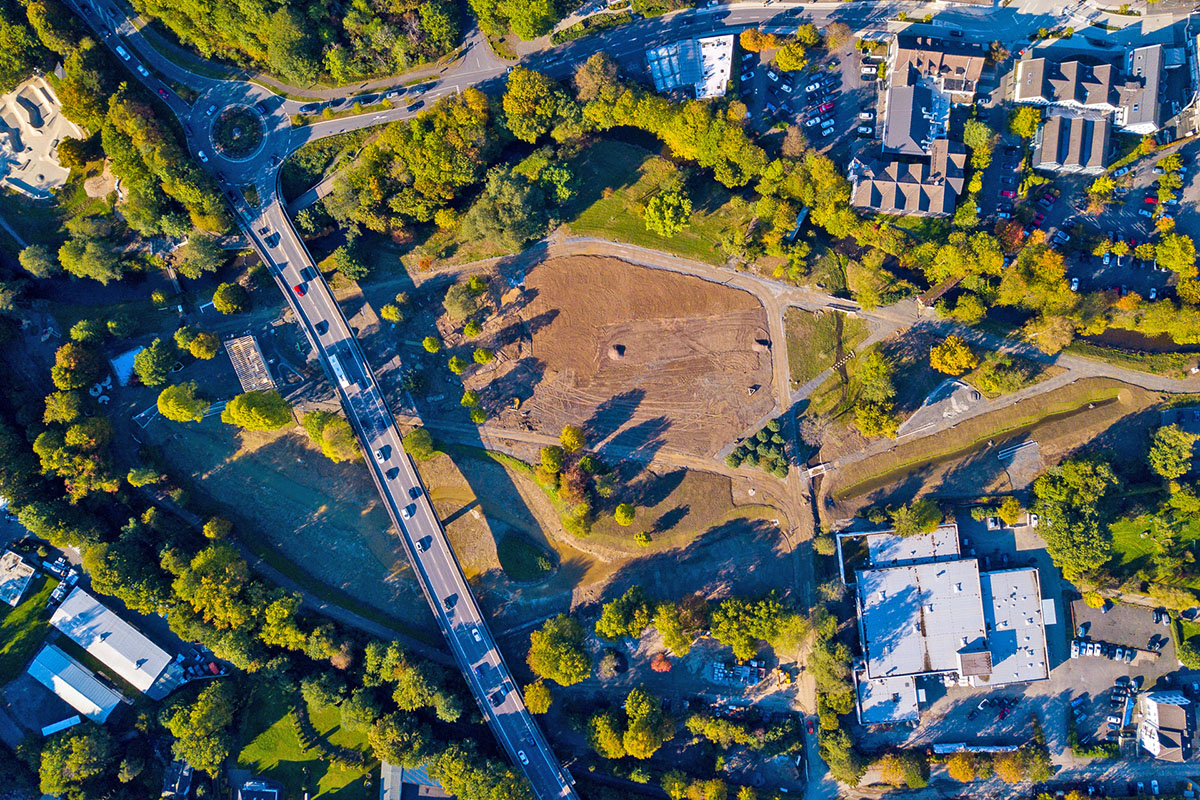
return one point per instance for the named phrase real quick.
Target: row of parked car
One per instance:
(1102, 650)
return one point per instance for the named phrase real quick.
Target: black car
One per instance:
(261, 107)
(416, 105)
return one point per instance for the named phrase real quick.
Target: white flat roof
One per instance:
(916, 619)
(704, 64)
(112, 640)
(74, 683)
(15, 576)
(886, 549)
(1012, 602)
(885, 700)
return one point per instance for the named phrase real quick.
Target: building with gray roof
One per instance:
(923, 610)
(923, 187)
(74, 683)
(1166, 728)
(914, 117)
(1072, 144)
(1139, 96)
(117, 644)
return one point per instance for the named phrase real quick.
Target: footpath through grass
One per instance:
(22, 631)
(813, 340)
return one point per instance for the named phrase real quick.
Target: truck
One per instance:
(338, 372)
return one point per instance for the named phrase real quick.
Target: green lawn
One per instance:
(812, 340)
(271, 749)
(614, 181)
(23, 629)
(522, 560)
(309, 164)
(1132, 551)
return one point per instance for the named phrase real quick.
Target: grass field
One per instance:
(813, 340)
(617, 179)
(309, 164)
(270, 748)
(1132, 551)
(1069, 404)
(1036, 371)
(1175, 364)
(23, 629)
(522, 560)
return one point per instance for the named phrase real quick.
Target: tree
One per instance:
(153, 364)
(202, 729)
(977, 135)
(595, 75)
(201, 254)
(179, 403)
(333, 435)
(63, 407)
(258, 411)
(605, 736)
(482, 355)
(431, 344)
(458, 364)
(532, 104)
(1171, 452)
(753, 40)
(73, 757)
(953, 356)
(204, 345)
(1177, 252)
(1010, 767)
(1068, 501)
(91, 331)
(920, 516)
(217, 528)
(1010, 511)
(961, 767)
(791, 57)
(904, 769)
(75, 366)
(667, 212)
(876, 419)
(346, 260)
(230, 298)
(649, 726)
(552, 458)
(627, 616)
(1023, 121)
(572, 438)
(419, 444)
(39, 261)
(511, 210)
(538, 698)
(873, 373)
(624, 514)
(556, 651)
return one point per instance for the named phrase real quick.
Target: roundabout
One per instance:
(238, 133)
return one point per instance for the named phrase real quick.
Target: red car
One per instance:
(1038, 220)
(826, 107)
(1008, 193)
(162, 93)
(1151, 200)
(810, 727)
(299, 290)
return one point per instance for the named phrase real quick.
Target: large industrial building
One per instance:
(926, 611)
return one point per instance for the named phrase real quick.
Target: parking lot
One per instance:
(825, 99)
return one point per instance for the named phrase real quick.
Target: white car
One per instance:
(408, 511)
(748, 76)
(773, 75)
(1153, 293)
(808, 123)
(379, 456)
(202, 156)
(524, 759)
(827, 124)
(142, 71)
(812, 87)
(1033, 520)
(476, 635)
(786, 88)
(1074, 648)
(866, 115)
(1107, 259)
(994, 524)
(865, 130)
(1075, 284)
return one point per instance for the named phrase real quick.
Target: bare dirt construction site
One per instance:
(644, 359)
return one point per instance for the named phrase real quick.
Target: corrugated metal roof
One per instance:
(112, 640)
(74, 683)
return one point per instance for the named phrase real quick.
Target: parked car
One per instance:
(1150, 200)
(865, 131)
(866, 115)
(812, 87)
(1153, 293)
(825, 107)
(1144, 213)
(1075, 283)
(1038, 220)
(1008, 193)
(1074, 648)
